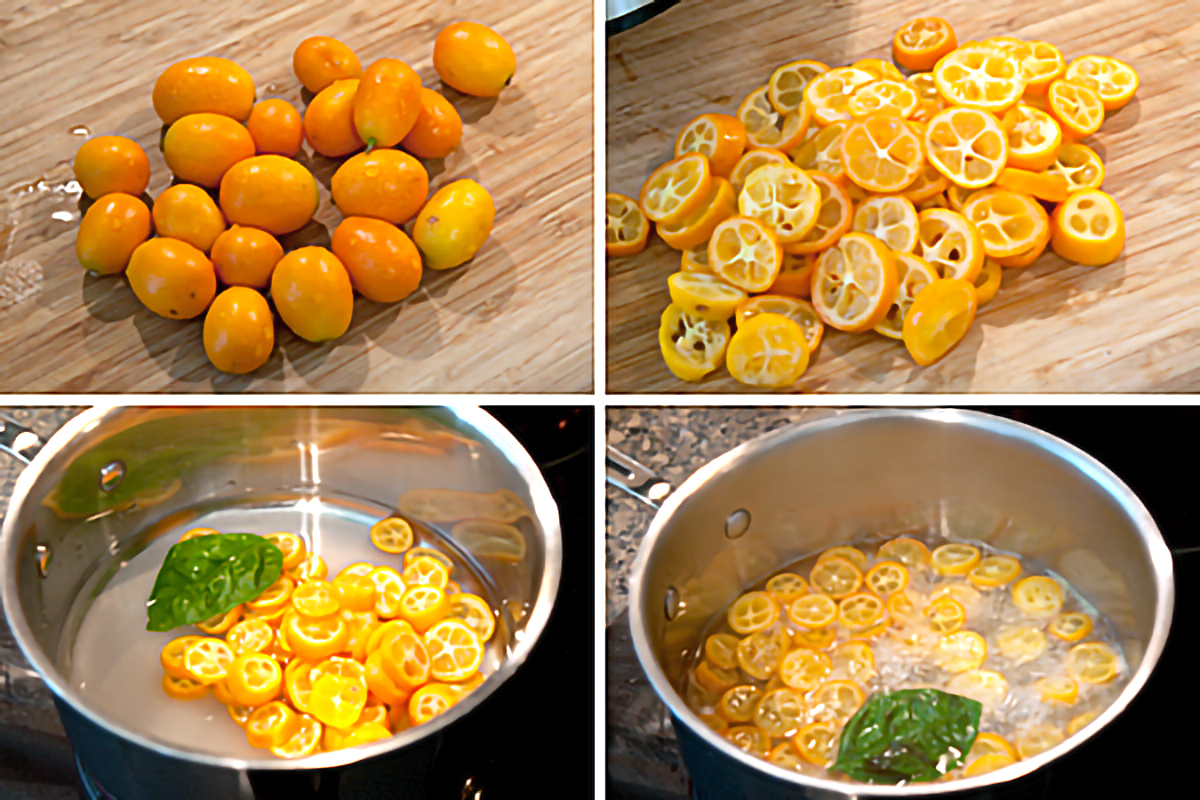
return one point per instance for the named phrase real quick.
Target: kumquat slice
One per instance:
(752, 160)
(891, 219)
(1008, 222)
(884, 97)
(781, 712)
(1078, 109)
(979, 76)
(854, 283)
(834, 216)
(835, 576)
(795, 309)
(813, 611)
(1079, 165)
(759, 653)
(786, 88)
(816, 743)
(1033, 137)
(829, 94)
(744, 253)
(994, 571)
(676, 189)
(626, 230)
(823, 151)
(920, 44)
(1088, 228)
(950, 243)
(913, 274)
(805, 669)
(1092, 662)
(784, 198)
(720, 137)
(692, 346)
(795, 275)
(767, 350)
(752, 612)
(766, 127)
(1038, 596)
(955, 558)
(737, 704)
(708, 296)
(698, 228)
(967, 145)
(1071, 627)
(1043, 185)
(1110, 78)
(886, 578)
(881, 153)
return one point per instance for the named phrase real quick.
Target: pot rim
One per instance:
(1159, 556)
(545, 511)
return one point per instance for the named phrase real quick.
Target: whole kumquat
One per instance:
(318, 61)
(384, 184)
(312, 294)
(239, 331)
(187, 212)
(276, 127)
(474, 59)
(454, 225)
(172, 278)
(200, 148)
(382, 261)
(245, 257)
(110, 164)
(329, 120)
(203, 85)
(387, 103)
(111, 230)
(273, 193)
(438, 129)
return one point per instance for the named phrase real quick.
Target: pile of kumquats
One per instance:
(312, 665)
(238, 186)
(893, 202)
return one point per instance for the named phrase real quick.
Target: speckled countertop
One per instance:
(35, 758)
(642, 756)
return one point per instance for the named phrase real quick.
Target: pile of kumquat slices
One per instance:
(313, 665)
(790, 663)
(865, 199)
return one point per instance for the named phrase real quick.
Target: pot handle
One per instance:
(18, 441)
(637, 479)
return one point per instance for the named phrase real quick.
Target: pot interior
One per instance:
(877, 474)
(113, 492)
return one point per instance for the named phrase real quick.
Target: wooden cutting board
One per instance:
(519, 318)
(1132, 326)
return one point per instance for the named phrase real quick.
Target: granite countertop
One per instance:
(36, 761)
(642, 755)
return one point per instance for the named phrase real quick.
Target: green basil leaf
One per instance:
(209, 575)
(913, 735)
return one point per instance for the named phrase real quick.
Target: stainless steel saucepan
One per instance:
(961, 474)
(113, 480)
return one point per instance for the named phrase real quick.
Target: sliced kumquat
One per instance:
(928, 187)
(752, 160)
(1033, 137)
(387, 632)
(380, 684)
(254, 679)
(715, 722)
(783, 755)
(759, 654)
(178, 688)
(1008, 222)
(221, 622)
(389, 588)
(881, 153)
(890, 219)
(406, 660)
(413, 553)
(171, 656)
(813, 611)
(853, 660)
(995, 571)
(1092, 662)
(1111, 79)
(786, 88)
(835, 576)
(968, 146)
(715, 679)
(835, 701)
(988, 763)
(784, 198)
(313, 566)
(950, 243)
(737, 704)
(795, 275)
(979, 76)
(429, 701)
(708, 296)
(1079, 165)
(879, 69)
(886, 578)
(1041, 64)
(250, 636)
(920, 43)
(982, 685)
(955, 558)
(1072, 626)
(991, 744)
(834, 216)
(316, 598)
(721, 649)
(913, 274)
(1043, 185)
(273, 598)
(961, 651)
(207, 660)
(860, 610)
(1080, 722)
(1088, 229)
(676, 189)
(910, 552)
(1038, 596)
(852, 554)
(946, 615)
(884, 97)
(455, 651)
(695, 259)
(829, 94)
(744, 253)
(823, 151)
(395, 535)
(425, 571)
(422, 606)
(1033, 740)
(781, 712)
(798, 311)
(805, 669)
(692, 346)
(752, 612)
(816, 743)
(750, 739)
(768, 350)
(1078, 109)
(817, 639)
(720, 137)
(1021, 643)
(854, 283)
(766, 127)
(1058, 689)
(354, 592)
(291, 545)
(475, 612)
(698, 228)
(315, 639)
(938, 320)
(271, 725)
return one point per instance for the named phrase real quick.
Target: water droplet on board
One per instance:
(63, 216)
(80, 130)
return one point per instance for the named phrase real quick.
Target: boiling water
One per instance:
(988, 612)
(114, 663)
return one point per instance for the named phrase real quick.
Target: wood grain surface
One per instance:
(1132, 326)
(518, 318)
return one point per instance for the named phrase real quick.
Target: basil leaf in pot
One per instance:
(209, 575)
(910, 735)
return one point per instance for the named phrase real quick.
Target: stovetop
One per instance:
(1133, 756)
(554, 685)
